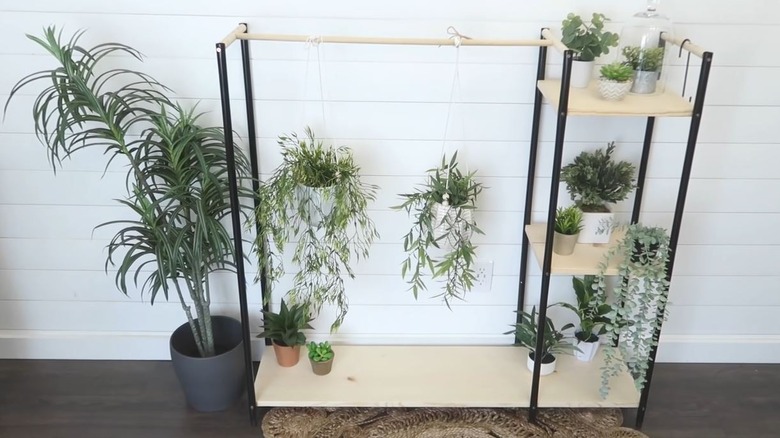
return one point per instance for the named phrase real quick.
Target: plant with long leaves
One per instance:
(286, 327)
(592, 309)
(527, 334)
(177, 182)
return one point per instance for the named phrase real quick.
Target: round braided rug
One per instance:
(443, 423)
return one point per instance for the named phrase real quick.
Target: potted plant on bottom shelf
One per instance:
(588, 41)
(554, 342)
(646, 63)
(592, 311)
(594, 180)
(284, 329)
(177, 198)
(615, 81)
(321, 357)
(568, 224)
(440, 238)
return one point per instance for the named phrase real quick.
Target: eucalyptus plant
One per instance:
(443, 223)
(588, 40)
(177, 182)
(527, 334)
(316, 200)
(640, 301)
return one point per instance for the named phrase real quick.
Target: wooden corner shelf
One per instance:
(584, 260)
(586, 102)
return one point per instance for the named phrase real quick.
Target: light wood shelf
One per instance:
(587, 102)
(436, 376)
(584, 260)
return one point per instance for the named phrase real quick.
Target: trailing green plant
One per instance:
(568, 220)
(588, 40)
(286, 327)
(617, 72)
(527, 334)
(593, 179)
(317, 197)
(443, 222)
(177, 181)
(320, 352)
(640, 59)
(591, 309)
(640, 301)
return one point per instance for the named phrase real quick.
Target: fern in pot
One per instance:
(592, 311)
(616, 81)
(588, 41)
(568, 224)
(174, 235)
(316, 202)
(554, 343)
(440, 237)
(594, 180)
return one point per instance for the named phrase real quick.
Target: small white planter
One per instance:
(581, 73)
(587, 350)
(547, 368)
(596, 227)
(318, 203)
(644, 82)
(447, 217)
(613, 90)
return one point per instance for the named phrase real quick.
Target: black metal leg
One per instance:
(640, 178)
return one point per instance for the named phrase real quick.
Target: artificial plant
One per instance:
(320, 351)
(591, 309)
(568, 220)
(177, 181)
(286, 327)
(554, 342)
(587, 40)
(640, 59)
(617, 72)
(594, 179)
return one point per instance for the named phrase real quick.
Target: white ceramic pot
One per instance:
(587, 350)
(581, 73)
(563, 244)
(445, 218)
(596, 227)
(547, 368)
(613, 90)
(644, 82)
(316, 203)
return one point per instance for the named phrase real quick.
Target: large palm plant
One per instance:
(177, 182)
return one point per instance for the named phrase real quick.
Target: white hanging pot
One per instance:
(587, 350)
(316, 203)
(581, 73)
(596, 227)
(547, 368)
(445, 218)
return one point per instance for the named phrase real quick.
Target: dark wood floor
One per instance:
(142, 399)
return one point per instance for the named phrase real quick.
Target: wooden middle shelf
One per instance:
(587, 102)
(584, 261)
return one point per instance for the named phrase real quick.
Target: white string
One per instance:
(457, 39)
(313, 41)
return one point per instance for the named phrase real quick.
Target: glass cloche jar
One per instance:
(642, 48)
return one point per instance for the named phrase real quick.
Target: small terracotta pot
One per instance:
(287, 356)
(563, 244)
(321, 368)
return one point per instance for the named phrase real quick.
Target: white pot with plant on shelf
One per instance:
(588, 41)
(615, 81)
(554, 343)
(646, 63)
(568, 224)
(593, 313)
(594, 180)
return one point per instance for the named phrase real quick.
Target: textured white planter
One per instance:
(613, 90)
(644, 82)
(447, 217)
(318, 203)
(581, 73)
(592, 223)
(547, 368)
(587, 350)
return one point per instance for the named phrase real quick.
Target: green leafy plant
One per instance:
(640, 301)
(320, 352)
(593, 179)
(177, 181)
(617, 72)
(527, 334)
(588, 40)
(285, 328)
(568, 220)
(316, 196)
(442, 221)
(640, 59)
(592, 309)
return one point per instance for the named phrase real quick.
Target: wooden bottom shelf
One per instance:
(436, 376)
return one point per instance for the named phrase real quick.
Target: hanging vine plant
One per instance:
(315, 196)
(440, 238)
(640, 302)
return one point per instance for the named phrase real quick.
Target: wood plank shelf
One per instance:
(587, 102)
(436, 376)
(584, 260)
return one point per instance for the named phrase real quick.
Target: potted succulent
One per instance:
(646, 63)
(284, 329)
(592, 310)
(615, 81)
(568, 224)
(177, 197)
(316, 200)
(526, 332)
(588, 41)
(640, 298)
(440, 238)
(321, 357)
(594, 180)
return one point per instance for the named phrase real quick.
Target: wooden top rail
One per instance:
(464, 41)
(555, 42)
(232, 36)
(684, 43)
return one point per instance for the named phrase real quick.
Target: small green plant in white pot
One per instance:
(555, 342)
(592, 311)
(588, 41)
(321, 357)
(594, 180)
(615, 81)
(568, 224)
(646, 64)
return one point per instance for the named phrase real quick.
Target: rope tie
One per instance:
(456, 37)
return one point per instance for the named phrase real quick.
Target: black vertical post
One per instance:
(235, 216)
(693, 133)
(640, 178)
(529, 188)
(563, 106)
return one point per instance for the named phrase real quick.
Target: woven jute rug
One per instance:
(443, 423)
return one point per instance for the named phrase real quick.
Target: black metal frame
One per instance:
(562, 116)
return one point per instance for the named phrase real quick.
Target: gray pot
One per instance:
(644, 82)
(563, 244)
(212, 383)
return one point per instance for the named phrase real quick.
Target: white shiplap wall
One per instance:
(389, 104)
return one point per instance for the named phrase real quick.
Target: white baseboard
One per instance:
(35, 344)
